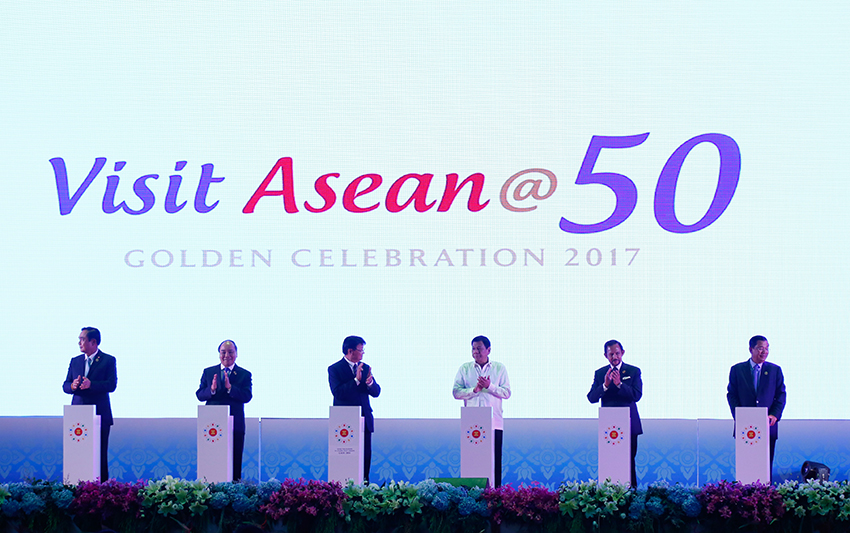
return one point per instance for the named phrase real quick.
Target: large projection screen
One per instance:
(549, 174)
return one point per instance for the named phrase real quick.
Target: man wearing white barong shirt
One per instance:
(482, 383)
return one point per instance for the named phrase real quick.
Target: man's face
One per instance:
(614, 354)
(759, 352)
(227, 354)
(86, 346)
(356, 355)
(480, 353)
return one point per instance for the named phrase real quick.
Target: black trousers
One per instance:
(238, 446)
(367, 454)
(772, 449)
(497, 444)
(634, 454)
(104, 452)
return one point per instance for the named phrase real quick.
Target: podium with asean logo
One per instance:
(345, 444)
(752, 445)
(215, 443)
(81, 444)
(477, 443)
(615, 445)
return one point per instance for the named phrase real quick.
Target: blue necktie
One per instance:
(756, 377)
(88, 366)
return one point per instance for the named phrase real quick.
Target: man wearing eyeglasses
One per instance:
(352, 383)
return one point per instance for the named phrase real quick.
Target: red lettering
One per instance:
(351, 193)
(452, 189)
(284, 165)
(325, 191)
(419, 196)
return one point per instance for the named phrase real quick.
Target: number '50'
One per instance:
(665, 191)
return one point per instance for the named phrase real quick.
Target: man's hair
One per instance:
(610, 343)
(482, 338)
(235, 349)
(92, 334)
(755, 340)
(351, 342)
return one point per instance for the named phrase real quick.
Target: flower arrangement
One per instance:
(112, 503)
(825, 504)
(299, 505)
(447, 508)
(659, 503)
(178, 500)
(529, 504)
(732, 504)
(306, 505)
(593, 506)
(37, 505)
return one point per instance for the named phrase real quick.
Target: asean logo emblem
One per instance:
(213, 433)
(78, 432)
(613, 435)
(343, 434)
(476, 434)
(751, 435)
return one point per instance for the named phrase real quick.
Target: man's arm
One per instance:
(342, 383)
(69, 379)
(631, 388)
(461, 389)
(732, 391)
(105, 376)
(500, 385)
(204, 392)
(778, 404)
(597, 389)
(240, 388)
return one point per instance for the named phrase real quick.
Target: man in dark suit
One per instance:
(92, 375)
(619, 385)
(757, 383)
(352, 383)
(228, 384)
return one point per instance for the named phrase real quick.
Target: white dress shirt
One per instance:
(500, 388)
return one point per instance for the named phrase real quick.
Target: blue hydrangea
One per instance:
(655, 506)
(63, 498)
(17, 490)
(11, 507)
(467, 506)
(426, 490)
(243, 504)
(442, 501)
(32, 503)
(638, 505)
(678, 495)
(267, 488)
(219, 500)
(692, 507)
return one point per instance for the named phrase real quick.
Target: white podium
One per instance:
(615, 445)
(215, 443)
(752, 445)
(477, 443)
(81, 446)
(345, 444)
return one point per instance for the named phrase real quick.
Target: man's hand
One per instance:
(370, 379)
(608, 377)
(76, 383)
(615, 377)
(227, 381)
(86, 383)
(771, 419)
(214, 384)
(358, 375)
(483, 382)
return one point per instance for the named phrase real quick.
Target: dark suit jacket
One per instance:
(103, 375)
(347, 392)
(626, 395)
(240, 392)
(771, 393)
